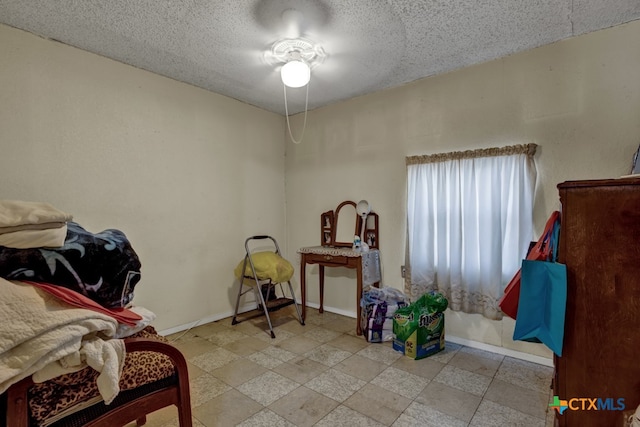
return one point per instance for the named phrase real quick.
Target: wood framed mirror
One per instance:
(345, 224)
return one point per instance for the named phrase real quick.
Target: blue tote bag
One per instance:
(543, 301)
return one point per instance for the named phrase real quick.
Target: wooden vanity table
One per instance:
(367, 265)
(337, 252)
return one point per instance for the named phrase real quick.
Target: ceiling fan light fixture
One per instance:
(298, 56)
(295, 73)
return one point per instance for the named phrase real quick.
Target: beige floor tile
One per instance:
(316, 318)
(265, 335)
(268, 387)
(321, 334)
(267, 361)
(288, 311)
(227, 409)
(301, 369)
(239, 371)
(525, 374)
(449, 400)
(225, 336)
(312, 313)
(298, 344)
(349, 343)
(276, 323)
(381, 352)
(475, 363)
(490, 414)
(188, 333)
(400, 382)
(378, 403)
(444, 356)
(341, 325)
(227, 321)
(214, 359)
(248, 328)
(463, 380)
(282, 318)
(193, 346)
(208, 329)
(347, 417)
(293, 325)
(425, 368)
(250, 379)
(303, 407)
(519, 398)
(194, 371)
(266, 418)
(327, 355)
(419, 415)
(246, 346)
(335, 384)
(353, 333)
(205, 388)
(361, 367)
(277, 352)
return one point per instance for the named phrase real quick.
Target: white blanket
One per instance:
(28, 239)
(15, 213)
(43, 336)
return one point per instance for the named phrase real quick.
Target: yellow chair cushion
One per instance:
(268, 265)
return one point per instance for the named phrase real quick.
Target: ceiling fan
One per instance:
(296, 55)
(327, 43)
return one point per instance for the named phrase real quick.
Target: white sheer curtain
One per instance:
(470, 221)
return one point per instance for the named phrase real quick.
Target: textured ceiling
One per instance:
(221, 45)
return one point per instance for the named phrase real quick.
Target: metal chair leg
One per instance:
(264, 307)
(295, 303)
(235, 312)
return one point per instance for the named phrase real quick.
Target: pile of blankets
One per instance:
(63, 293)
(102, 266)
(42, 335)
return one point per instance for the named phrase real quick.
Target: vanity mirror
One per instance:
(345, 224)
(338, 228)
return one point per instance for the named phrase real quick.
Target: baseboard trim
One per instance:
(456, 340)
(205, 320)
(501, 350)
(345, 313)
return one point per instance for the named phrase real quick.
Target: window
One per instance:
(470, 222)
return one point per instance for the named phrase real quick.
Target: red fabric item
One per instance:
(540, 251)
(122, 315)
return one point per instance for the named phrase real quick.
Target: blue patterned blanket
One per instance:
(102, 266)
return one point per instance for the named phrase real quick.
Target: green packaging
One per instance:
(419, 328)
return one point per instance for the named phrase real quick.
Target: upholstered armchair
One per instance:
(154, 376)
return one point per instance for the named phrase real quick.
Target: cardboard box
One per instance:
(419, 337)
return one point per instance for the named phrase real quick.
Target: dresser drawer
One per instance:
(327, 259)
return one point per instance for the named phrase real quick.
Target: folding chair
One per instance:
(265, 271)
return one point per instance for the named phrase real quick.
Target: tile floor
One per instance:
(322, 374)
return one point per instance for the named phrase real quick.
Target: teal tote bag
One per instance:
(543, 301)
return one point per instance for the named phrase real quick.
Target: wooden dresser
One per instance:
(600, 245)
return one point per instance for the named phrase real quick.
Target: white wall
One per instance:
(187, 174)
(578, 99)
